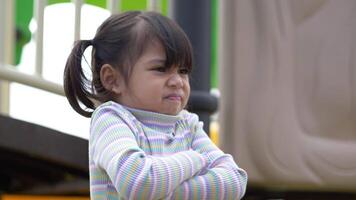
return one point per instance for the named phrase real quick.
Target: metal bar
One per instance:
(4, 26)
(39, 16)
(7, 41)
(154, 5)
(78, 10)
(4, 97)
(171, 12)
(113, 6)
(8, 73)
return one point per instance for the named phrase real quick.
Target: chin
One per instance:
(172, 112)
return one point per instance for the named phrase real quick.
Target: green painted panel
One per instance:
(50, 2)
(24, 12)
(214, 76)
(133, 5)
(164, 7)
(99, 3)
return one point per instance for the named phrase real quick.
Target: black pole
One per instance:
(194, 16)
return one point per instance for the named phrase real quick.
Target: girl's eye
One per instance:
(183, 71)
(160, 69)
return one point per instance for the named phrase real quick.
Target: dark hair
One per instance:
(120, 41)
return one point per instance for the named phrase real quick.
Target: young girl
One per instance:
(143, 144)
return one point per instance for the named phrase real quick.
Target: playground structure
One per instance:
(40, 160)
(287, 107)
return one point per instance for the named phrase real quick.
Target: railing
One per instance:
(9, 73)
(36, 80)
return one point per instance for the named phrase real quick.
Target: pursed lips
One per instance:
(174, 97)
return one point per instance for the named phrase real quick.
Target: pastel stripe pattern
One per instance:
(135, 154)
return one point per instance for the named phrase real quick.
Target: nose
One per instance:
(175, 80)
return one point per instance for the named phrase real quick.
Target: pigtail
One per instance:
(76, 84)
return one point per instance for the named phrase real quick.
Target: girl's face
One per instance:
(152, 87)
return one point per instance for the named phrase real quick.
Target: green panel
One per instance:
(214, 44)
(99, 3)
(50, 2)
(164, 7)
(24, 12)
(133, 5)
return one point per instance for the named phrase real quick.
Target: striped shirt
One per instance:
(137, 154)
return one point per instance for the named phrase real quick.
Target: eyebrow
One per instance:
(156, 60)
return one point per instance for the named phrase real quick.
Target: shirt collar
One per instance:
(157, 121)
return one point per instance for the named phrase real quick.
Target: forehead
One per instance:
(154, 52)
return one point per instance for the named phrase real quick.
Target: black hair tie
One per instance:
(92, 43)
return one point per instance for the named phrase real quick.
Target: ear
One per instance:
(111, 79)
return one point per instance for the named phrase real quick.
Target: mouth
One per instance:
(174, 97)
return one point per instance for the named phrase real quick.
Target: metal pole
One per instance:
(154, 5)
(77, 16)
(113, 6)
(39, 7)
(10, 74)
(6, 48)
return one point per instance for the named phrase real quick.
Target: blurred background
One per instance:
(274, 82)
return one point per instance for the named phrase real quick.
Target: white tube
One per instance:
(39, 16)
(10, 74)
(7, 43)
(154, 5)
(113, 6)
(77, 17)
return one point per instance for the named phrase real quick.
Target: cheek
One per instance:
(187, 86)
(187, 89)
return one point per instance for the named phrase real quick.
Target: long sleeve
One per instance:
(136, 175)
(222, 179)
